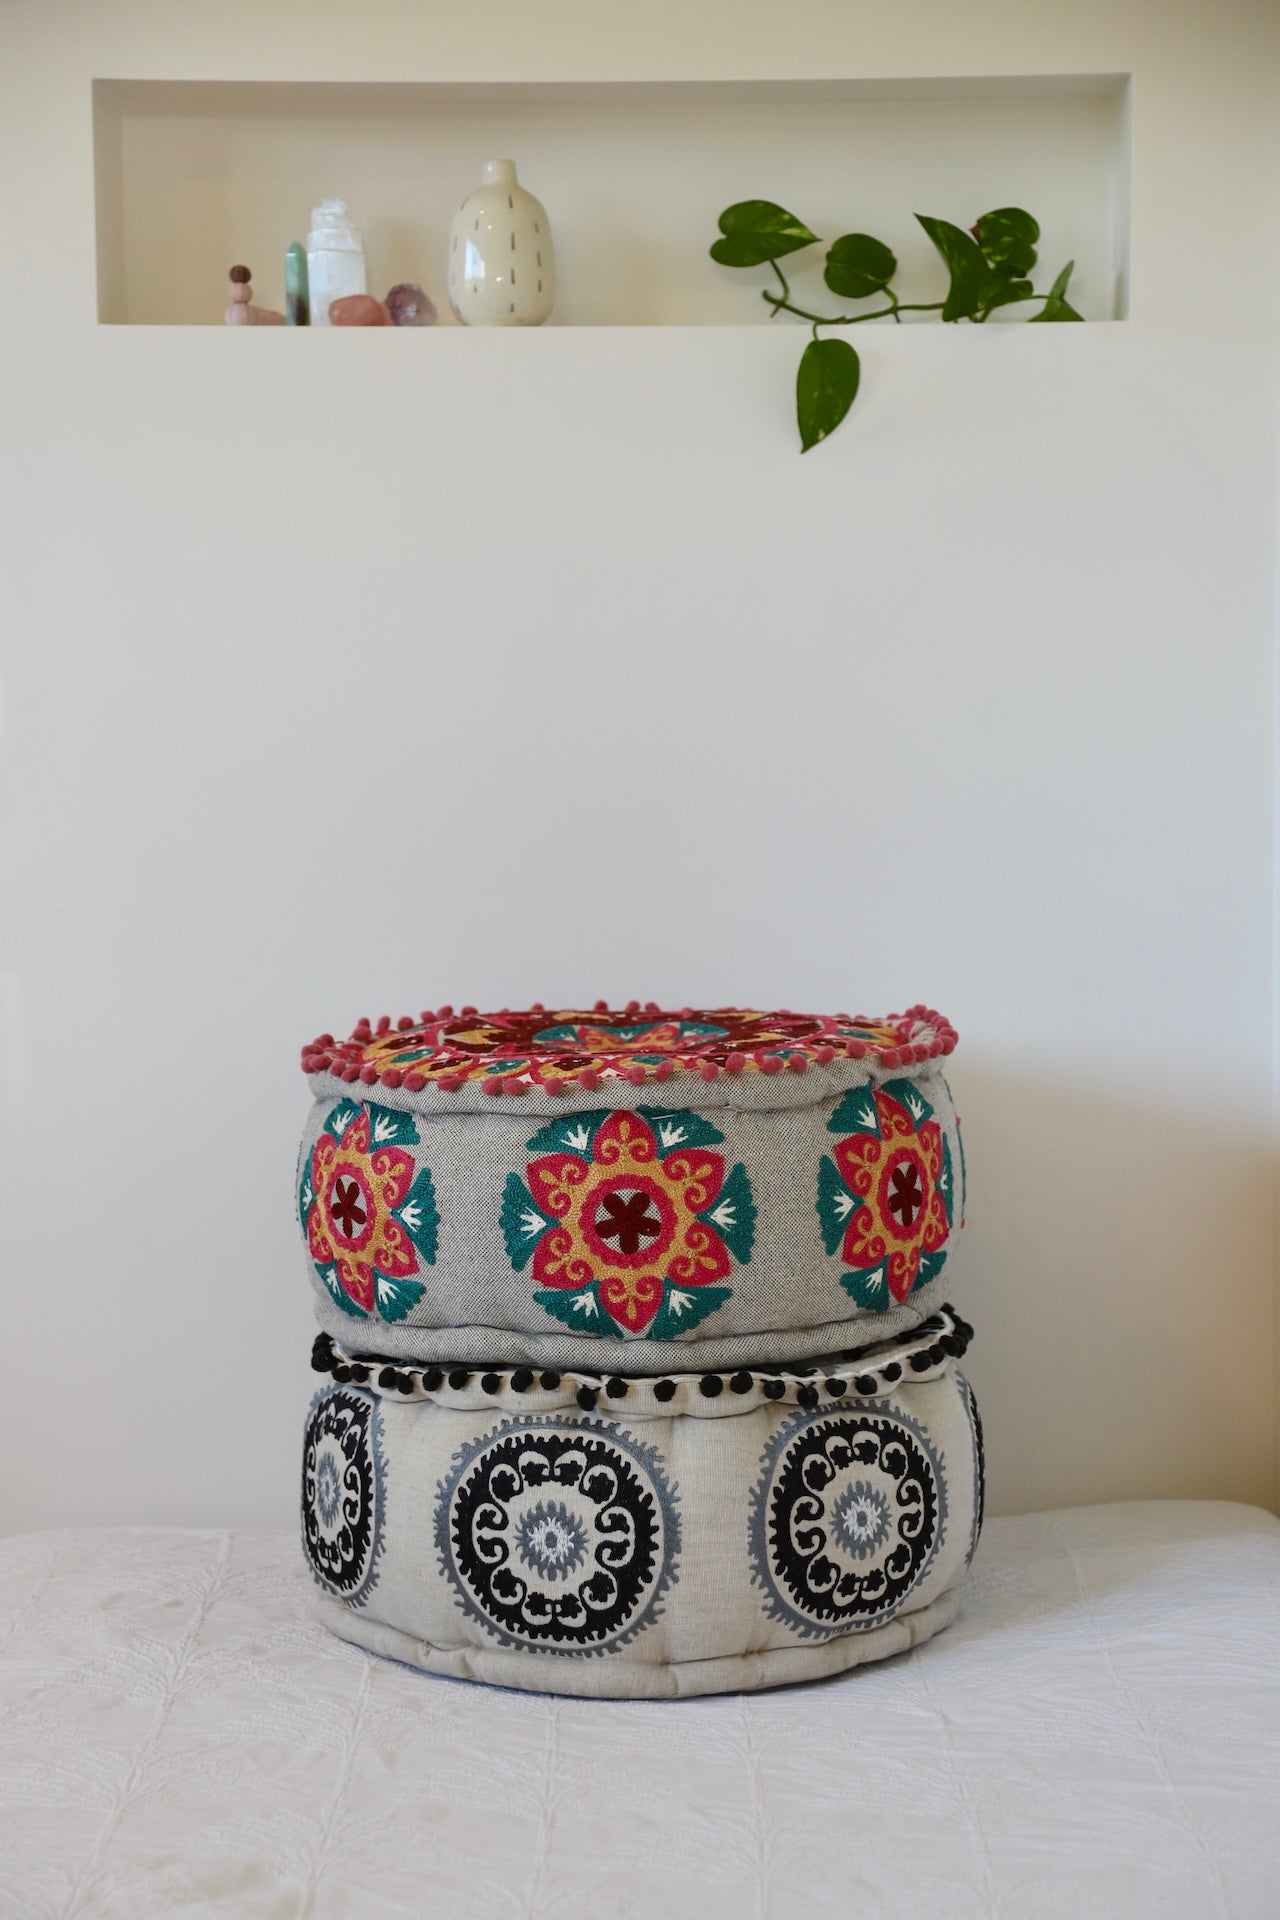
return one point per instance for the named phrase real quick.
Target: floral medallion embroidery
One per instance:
(368, 1217)
(558, 1535)
(343, 1493)
(861, 1519)
(886, 1195)
(644, 1041)
(846, 1518)
(539, 1047)
(630, 1220)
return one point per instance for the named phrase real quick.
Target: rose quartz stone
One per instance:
(241, 292)
(358, 310)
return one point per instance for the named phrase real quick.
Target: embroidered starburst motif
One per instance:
(551, 1540)
(632, 1221)
(368, 1210)
(861, 1519)
(886, 1193)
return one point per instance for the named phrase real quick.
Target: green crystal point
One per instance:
(297, 290)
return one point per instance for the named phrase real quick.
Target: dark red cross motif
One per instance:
(627, 1218)
(906, 1193)
(347, 1207)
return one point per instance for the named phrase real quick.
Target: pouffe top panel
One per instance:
(444, 1061)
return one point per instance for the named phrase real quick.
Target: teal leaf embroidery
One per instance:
(395, 1298)
(523, 1222)
(574, 1134)
(856, 1113)
(580, 1310)
(908, 1095)
(419, 1217)
(306, 1193)
(678, 1128)
(734, 1215)
(389, 1128)
(946, 1184)
(836, 1205)
(329, 1275)
(868, 1289)
(931, 1265)
(685, 1307)
(339, 1117)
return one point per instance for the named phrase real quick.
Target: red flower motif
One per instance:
(630, 1220)
(350, 1227)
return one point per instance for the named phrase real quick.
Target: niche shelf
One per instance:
(194, 175)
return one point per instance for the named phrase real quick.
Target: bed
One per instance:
(1099, 1734)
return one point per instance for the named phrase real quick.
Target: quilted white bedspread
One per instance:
(1098, 1735)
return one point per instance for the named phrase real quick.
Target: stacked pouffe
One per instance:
(637, 1381)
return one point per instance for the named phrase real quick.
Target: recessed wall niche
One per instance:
(192, 176)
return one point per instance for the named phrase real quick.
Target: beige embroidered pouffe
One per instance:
(635, 1383)
(510, 1187)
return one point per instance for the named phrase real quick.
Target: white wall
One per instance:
(338, 683)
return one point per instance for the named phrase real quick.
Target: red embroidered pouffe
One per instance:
(623, 1535)
(708, 1187)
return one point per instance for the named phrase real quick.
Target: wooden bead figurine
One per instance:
(241, 311)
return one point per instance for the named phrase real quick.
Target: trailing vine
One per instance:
(989, 267)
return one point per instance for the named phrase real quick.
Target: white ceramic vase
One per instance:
(502, 270)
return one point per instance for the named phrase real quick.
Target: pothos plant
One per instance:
(989, 268)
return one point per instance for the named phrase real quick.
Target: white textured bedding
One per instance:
(1099, 1734)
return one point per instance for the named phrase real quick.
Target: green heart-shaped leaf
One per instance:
(826, 386)
(858, 266)
(971, 275)
(1007, 239)
(758, 230)
(1057, 306)
(1005, 293)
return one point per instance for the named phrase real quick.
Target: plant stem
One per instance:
(851, 319)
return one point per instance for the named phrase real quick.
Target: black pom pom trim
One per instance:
(947, 1333)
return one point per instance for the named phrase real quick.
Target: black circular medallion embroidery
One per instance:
(847, 1515)
(558, 1535)
(342, 1492)
(979, 1465)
